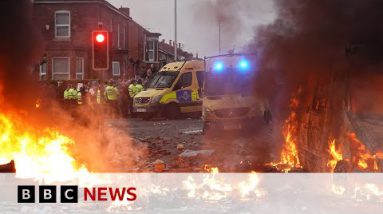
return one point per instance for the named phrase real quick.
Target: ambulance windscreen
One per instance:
(228, 83)
(163, 79)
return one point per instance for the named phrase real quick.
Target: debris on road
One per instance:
(159, 165)
(9, 167)
(191, 132)
(191, 153)
(180, 147)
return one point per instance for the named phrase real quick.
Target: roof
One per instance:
(184, 65)
(104, 2)
(168, 49)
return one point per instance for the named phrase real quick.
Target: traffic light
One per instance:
(100, 50)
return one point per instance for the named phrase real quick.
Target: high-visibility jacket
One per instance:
(66, 94)
(132, 89)
(139, 88)
(111, 93)
(70, 94)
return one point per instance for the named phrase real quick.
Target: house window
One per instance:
(60, 68)
(116, 68)
(43, 71)
(79, 68)
(151, 50)
(62, 24)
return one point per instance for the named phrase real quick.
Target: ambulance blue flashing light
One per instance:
(218, 67)
(244, 65)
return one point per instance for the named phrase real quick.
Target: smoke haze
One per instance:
(318, 40)
(238, 19)
(19, 46)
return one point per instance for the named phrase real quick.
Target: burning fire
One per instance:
(289, 154)
(336, 155)
(41, 155)
(208, 168)
(361, 156)
(289, 158)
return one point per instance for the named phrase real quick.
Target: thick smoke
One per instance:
(319, 43)
(238, 20)
(19, 46)
(98, 145)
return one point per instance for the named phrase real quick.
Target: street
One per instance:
(182, 147)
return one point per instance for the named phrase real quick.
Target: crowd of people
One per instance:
(114, 97)
(110, 98)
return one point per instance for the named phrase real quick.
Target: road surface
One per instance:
(181, 145)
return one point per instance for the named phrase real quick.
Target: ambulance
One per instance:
(229, 99)
(172, 92)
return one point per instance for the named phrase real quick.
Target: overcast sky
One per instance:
(198, 22)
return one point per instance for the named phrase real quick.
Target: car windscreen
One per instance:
(163, 79)
(229, 83)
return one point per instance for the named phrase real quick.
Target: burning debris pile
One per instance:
(307, 47)
(37, 154)
(335, 155)
(289, 154)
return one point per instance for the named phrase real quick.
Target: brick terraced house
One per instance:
(66, 27)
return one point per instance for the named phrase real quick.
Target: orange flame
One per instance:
(210, 169)
(361, 156)
(336, 155)
(289, 154)
(289, 157)
(37, 154)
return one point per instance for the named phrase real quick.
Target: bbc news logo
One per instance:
(69, 194)
(47, 194)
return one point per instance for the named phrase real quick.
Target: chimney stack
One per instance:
(170, 42)
(125, 10)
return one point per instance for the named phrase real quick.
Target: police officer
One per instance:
(111, 97)
(70, 96)
(132, 88)
(139, 87)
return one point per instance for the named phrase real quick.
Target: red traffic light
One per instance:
(100, 50)
(100, 38)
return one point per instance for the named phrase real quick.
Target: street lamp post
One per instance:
(219, 36)
(175, 30)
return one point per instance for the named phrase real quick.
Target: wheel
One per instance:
(172, 111)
